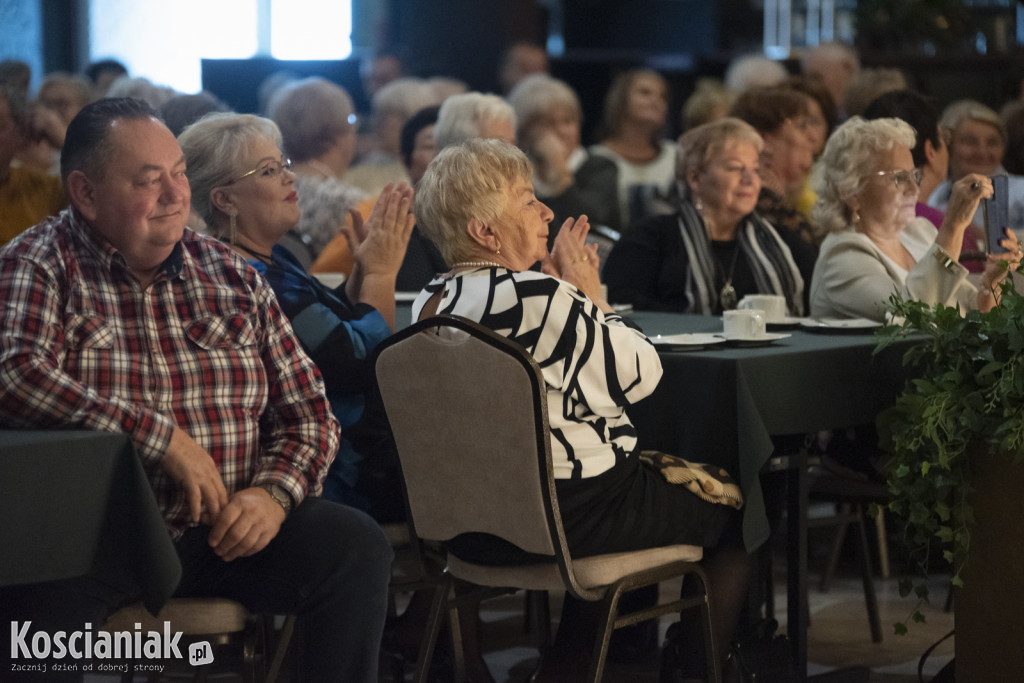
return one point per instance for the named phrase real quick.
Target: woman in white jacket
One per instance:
(867, 188)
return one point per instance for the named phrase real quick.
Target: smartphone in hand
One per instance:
(996, 213)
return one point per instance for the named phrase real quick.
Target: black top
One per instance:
(649, 266)
(422, 262)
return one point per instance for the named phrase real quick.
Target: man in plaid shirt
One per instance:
(114, 316)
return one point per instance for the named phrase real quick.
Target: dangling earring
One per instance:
(855, 217)
(698, 204)
(498, 250)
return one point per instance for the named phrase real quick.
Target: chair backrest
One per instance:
(468, 411)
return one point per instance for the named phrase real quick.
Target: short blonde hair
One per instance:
(463, 182)
(698, 145)
(848, 157)
(216, 147)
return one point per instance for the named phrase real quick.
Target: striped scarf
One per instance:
(767, 255)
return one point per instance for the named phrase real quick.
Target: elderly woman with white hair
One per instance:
(716, 248)
(977, 142)
(474, 115)
(565, 177)
(476, 202)
(867, 189)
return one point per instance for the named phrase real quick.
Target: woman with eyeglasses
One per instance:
(931, 156)
(244, 188)
(716, 248)
(867, 189)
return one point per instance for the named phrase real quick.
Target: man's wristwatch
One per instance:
(280, 496)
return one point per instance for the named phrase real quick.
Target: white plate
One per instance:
(757, 341)
(692, 341)
(839, 324)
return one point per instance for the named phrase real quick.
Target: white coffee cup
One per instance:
(773, 305)
(744, 324)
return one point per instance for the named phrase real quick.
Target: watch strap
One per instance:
(280, 496)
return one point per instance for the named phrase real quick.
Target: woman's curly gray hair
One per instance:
(849, 156)
(324, 203)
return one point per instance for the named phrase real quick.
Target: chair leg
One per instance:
(283, 641)
(714, 670)
(837, 548)
(604, 634)
(254, 651)
(883, 544)
(870, 599)
(433, 627)
(537, 616)
(458, 656)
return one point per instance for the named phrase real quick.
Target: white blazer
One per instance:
(854, 279)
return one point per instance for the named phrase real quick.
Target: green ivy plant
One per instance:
(968, 391)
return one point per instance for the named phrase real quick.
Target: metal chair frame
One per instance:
(400, 379)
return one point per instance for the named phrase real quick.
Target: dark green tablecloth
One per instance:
(723, 404)
(78, 503)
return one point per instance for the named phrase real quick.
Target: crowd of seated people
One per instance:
(833, 188)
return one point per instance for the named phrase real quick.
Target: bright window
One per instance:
(310, 29)
(165, 41)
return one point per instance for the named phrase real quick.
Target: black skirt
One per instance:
(628, 507)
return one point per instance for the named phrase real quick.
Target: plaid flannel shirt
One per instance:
(205, 347)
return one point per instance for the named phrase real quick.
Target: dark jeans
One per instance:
(329, 564)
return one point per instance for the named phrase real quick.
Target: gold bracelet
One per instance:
(942, 257)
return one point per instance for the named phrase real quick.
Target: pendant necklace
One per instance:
(267, 258)
(727, 295)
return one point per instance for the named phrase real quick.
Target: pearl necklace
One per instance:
(476, 264)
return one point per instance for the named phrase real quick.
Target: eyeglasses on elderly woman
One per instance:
(267, 168)
(901, 179)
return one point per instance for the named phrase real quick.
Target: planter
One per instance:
(990, 606)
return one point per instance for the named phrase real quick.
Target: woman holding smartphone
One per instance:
(867, 189)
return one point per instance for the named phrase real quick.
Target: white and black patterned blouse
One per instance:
(594, 364)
